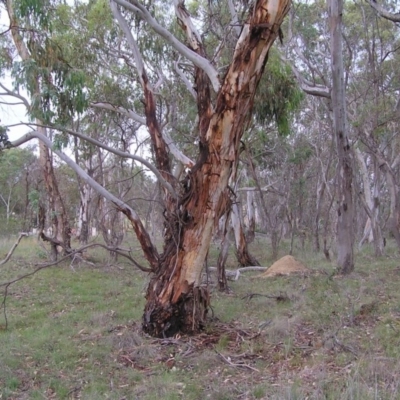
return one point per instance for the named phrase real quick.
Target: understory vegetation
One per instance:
(74, 332)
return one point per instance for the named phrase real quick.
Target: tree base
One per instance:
(187, 315)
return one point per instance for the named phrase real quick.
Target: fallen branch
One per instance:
(345, 347)
(236, 364)
(10, 253)
(277, 297)
(236, 273)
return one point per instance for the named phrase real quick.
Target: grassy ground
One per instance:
(74, 333)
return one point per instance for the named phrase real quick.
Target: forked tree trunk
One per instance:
(176, 301)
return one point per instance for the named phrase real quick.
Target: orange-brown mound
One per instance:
(285, 266)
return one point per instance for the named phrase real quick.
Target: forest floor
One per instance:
(73, 332)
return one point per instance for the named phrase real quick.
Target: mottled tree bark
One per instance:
(176, 301)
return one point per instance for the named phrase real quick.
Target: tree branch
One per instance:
(394, 17)
(120, 110)
(120, 153)
(185, 80)
(131, 40)
(235, 19)
(148, 247)
(196, 59)
(307, 86)
(11, 93)
(186, 161)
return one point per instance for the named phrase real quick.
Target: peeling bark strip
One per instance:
(175, 299)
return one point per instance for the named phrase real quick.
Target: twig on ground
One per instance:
(344, 346)
(237, 364)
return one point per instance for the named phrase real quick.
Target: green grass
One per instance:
(75, 333)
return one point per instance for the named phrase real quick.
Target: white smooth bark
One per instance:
(196, 59)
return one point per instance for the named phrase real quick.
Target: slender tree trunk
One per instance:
(345, 207)
(242, 250)
(251, 219)
(394, 215)
(223, 256)
(60, 229)
(83, 223)
(371, 205)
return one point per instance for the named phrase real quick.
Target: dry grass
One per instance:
(74, 333)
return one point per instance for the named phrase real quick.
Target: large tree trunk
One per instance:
(176, 301)
(345, 207)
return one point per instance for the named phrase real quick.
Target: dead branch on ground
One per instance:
(278, 297)
(235, 274)
(238, 364)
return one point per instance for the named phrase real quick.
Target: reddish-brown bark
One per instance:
(176, 301)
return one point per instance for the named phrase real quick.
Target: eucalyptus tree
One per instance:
(373, 111)
(222, 97)
(369, 51)
(322, 59)
(39, 67)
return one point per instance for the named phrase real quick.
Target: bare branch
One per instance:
(11, 93)
(307, 86)
(120, 153)
(185, 80)
(148, 247)
(121, 110)
(253, 188)
(186, 161)
(235, 19)
(196, 59)
(131, 40)
(394, 17)
(10, 253)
